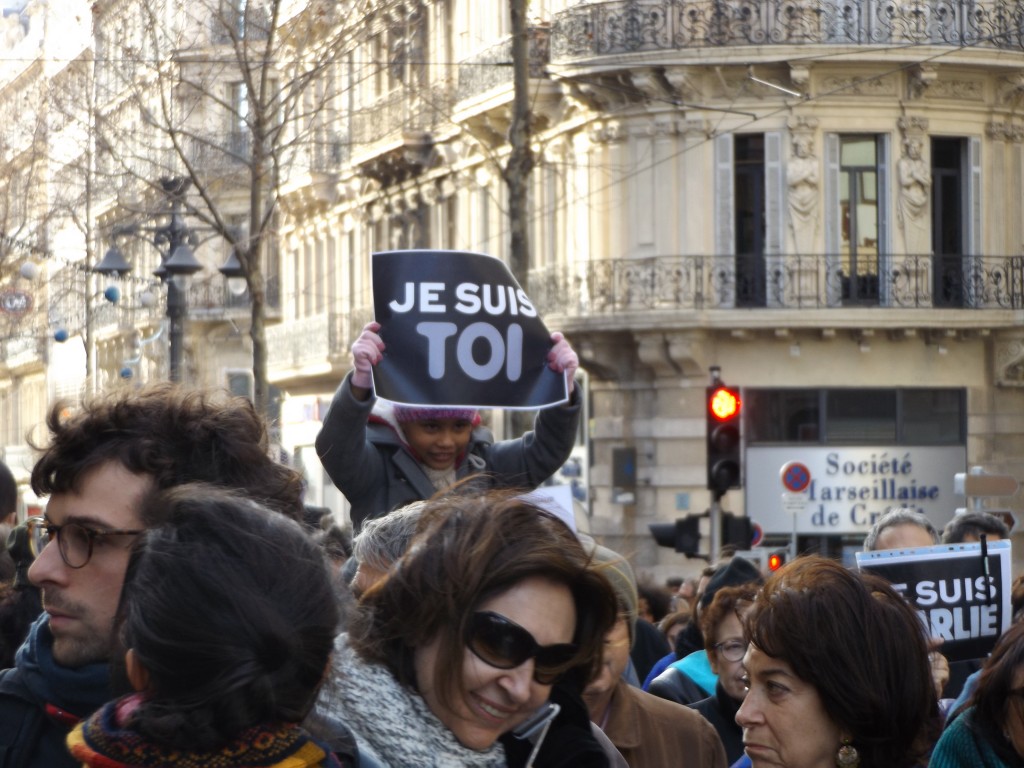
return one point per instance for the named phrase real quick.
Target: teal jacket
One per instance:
(961, 747)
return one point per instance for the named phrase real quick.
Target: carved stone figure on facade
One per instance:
(915, 194)
(13, 31)
(802, 178)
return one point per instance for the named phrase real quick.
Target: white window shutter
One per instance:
(884, 228)
(833, 234)
(725, 233)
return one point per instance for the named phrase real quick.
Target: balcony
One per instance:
(23, 352)
(313, 342)
(330, 152)
(689, 283)
(634, 26)
(114, 319)
(249, 22)
(492, 67)
(405, 110)
(212, 300)
(227, 152)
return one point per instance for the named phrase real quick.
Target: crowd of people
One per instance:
(177, 604)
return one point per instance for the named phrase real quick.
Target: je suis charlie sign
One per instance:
(459, 330)
(961, 591)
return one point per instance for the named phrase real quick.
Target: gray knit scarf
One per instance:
(391, 723)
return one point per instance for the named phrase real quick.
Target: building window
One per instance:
(859, 207)
(239, 121)
(749, 230)
(749, 191)
(933, 416)
(240, 383)
(950, 194)
(855, 416)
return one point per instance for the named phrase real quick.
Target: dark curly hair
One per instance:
(229, 608)
(467, 549)
(173, 434)
(863, 648)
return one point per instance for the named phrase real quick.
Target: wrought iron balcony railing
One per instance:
(628, 26)
(782, 282)
(403, 110)
(213, 297)
(218, 153)
(312, 340)
(235, 22)
(110, 319)
(492, 67)
(23, 350)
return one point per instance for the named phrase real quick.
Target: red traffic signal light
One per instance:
(724, 403)
(723, 439)
(776, 560)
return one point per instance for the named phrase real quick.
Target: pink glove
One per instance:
(562, 359)
(367, 351)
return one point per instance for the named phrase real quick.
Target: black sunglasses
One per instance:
(502, 643)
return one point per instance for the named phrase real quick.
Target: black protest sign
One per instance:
(961, 596)
(459, 330)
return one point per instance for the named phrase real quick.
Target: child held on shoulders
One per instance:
(228, 619)
(383, 455)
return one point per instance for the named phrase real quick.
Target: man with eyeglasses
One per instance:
(99, 461)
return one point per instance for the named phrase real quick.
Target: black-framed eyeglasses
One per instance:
(731, 650)
(75, 541)
(503, 644)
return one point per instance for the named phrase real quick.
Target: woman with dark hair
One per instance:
(721, 623)
(228, 620)
(492, 604)
(837, 672)
(989, 733)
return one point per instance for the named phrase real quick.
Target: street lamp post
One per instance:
(177, 265)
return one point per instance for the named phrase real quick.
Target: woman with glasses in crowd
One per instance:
(458, 648)
(721, 624)
(837, 673)
(989, 732)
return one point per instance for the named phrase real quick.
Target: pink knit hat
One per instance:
(406, 413)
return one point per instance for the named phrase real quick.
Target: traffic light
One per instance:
(737, 531)
(683, 535)
(724, 410)
(776, 560)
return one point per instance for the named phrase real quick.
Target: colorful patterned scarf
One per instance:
(105, 740)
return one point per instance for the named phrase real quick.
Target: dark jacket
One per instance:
(676, 686)
(40, 702)
(372, 466)
(649, 646)
(569, 742)
(720, 711)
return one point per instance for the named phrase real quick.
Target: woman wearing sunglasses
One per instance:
(492, 604)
